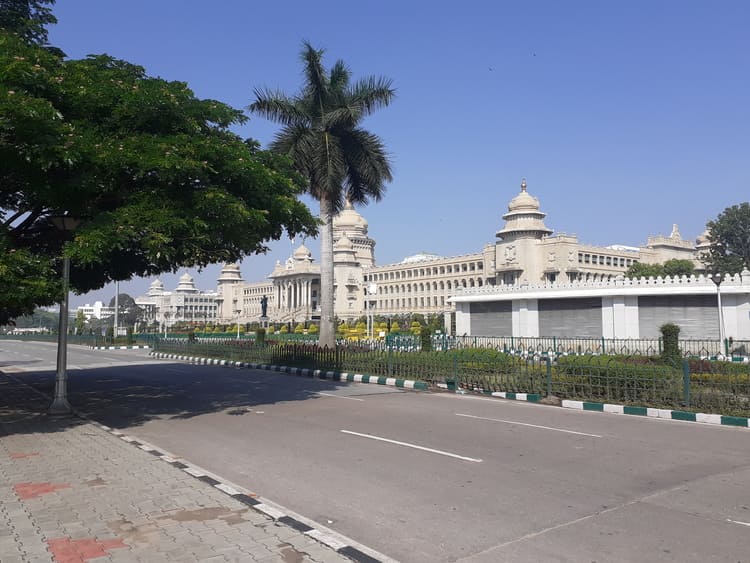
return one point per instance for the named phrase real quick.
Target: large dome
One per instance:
(350, 220)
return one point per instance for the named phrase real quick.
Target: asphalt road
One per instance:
(430, 477)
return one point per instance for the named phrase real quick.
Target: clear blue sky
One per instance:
(625, 117)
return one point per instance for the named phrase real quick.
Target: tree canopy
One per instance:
(673, 267)
(155, 174)
(729, 236)
(27, 19)
(321, 132)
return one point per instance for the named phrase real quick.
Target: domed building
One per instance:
(526, 251)
(185, 304)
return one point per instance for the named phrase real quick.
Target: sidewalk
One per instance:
(70, 491)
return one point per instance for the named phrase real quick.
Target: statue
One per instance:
(263, 306)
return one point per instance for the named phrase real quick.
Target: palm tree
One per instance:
(321, 133)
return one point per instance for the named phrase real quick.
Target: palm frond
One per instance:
(340, 76)
(372, 93)
(368, 166)
(344, 117)
(277, 106)
(316, 81)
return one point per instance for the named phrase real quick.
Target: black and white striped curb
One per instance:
(340, 544)
(318, 373)
(120, 347)
(685, 416)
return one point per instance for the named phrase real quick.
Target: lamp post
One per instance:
(60, 405)
(717, 278)
(372, 291)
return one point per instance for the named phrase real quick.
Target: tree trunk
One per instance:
(327, 322)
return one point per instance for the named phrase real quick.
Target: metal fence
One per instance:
(692, 384)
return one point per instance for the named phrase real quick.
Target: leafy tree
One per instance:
(673, 267)
(80, 323)
(129, 313)
(676, 267)
(39, 318)
(27, 19)
(729, 235)
(340, 160)
(154, 172)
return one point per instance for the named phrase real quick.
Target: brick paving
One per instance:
(72, 492)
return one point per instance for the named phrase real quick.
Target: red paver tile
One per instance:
(65, 550)
(33, 490)
(22, 455)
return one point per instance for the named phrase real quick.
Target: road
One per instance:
(431, 477)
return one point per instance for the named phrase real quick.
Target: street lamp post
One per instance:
(717, 278)
(238, 311)
(372, 291)
(60, 405)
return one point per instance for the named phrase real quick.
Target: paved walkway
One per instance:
(71, 492)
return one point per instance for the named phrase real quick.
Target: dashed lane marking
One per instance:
(414, 446)
(530, 425)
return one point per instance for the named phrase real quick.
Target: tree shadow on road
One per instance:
(129, 396)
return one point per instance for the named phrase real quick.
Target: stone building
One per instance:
(525, 252)
(185, 304)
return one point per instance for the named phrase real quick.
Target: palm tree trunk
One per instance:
(327, 323)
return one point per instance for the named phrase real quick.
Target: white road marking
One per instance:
(738, 522)
(531, 425)
(497, 401)
(340, 396)
(415, 446)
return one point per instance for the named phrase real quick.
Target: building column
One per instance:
(525, 317)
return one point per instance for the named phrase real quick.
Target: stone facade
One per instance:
(620, 308)
(525, 252)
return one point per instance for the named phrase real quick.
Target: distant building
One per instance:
(185, 304)
(95, 311)
(525, 252)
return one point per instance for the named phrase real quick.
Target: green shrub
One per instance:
(260, 336)
(671, 352)
(426, 340)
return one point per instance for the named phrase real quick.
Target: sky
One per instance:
(624, 117)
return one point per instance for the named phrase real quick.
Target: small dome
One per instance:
(156, 284)
(344, 243)
(702, 240)
(302, 253)
(349, 219)
(186, 284)
(523, 201)
(230, 273)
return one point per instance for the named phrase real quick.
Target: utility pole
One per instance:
(117, 309)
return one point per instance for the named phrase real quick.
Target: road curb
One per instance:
(120, 347)
(340, 544)
(684, 416)
(305, 372)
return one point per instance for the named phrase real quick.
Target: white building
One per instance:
(618, 308)
(186, 303)
(95, 311)
(525, 251)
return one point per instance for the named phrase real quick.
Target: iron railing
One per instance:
(692, 384)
